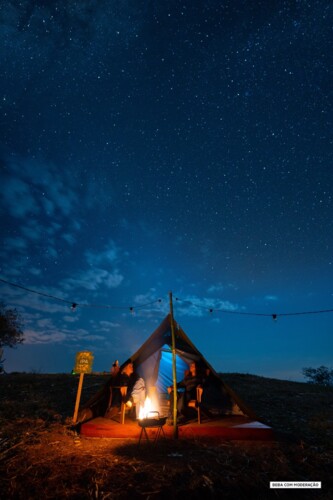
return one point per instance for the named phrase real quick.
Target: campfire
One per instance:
(149, 416)
(146, 409)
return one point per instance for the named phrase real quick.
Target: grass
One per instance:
(41, 455)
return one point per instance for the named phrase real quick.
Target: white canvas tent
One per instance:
(153, 362)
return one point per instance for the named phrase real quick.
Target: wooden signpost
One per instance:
(83, 364)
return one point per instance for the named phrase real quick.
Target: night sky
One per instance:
(181, 146)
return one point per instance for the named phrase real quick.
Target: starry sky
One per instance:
(182, 146)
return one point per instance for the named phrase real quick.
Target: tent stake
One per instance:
(174, 372)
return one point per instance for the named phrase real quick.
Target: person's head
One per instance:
(115, 368)
(128, 369)
(193, 368)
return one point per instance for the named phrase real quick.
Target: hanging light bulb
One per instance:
(73, 306)
(274, 317)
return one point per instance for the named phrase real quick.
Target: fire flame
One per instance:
(146, 408)
(151, 406)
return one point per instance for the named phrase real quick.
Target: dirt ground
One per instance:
(43, 456)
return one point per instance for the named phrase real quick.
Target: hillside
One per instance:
(41, 455)
(298, 410)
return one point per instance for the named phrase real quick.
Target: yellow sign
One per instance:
(83, 362)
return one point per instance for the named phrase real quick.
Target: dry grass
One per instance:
(41, 455)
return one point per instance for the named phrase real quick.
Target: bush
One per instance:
(11, 334)
(321, 375)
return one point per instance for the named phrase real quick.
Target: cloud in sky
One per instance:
(35, 271)
(71, 319)
(31, 229)
(107, 325)
(108, 255)
(18, 198)
(191, 305)
(93, 279)
(95, 276)
(271, 298)
(15, 244)
(216, 288)
(33, 187)
(41, 199)
(28, 302)
(70, 238)
(48, 336)
(51, 331)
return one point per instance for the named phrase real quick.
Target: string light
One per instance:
(273, 316)
(75, 305)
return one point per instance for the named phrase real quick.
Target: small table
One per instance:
(151, 423)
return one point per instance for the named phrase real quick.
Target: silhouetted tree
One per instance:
(321, 375)
(10, 327)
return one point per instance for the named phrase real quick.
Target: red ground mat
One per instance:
(235, 428)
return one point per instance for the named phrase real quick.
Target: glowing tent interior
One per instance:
(153, 362)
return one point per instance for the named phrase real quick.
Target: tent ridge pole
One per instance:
(174, 371)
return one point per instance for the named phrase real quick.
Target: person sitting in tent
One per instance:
(136, 391)
(138, 395)
(191, 381)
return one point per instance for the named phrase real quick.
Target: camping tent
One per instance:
(153, 362)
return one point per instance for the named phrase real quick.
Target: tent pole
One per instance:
(174, 372)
